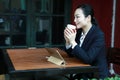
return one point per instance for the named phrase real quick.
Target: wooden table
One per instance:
(21, 62)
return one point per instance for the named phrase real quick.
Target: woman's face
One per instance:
(79, 18)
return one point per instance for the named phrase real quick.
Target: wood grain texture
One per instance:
(27, 59)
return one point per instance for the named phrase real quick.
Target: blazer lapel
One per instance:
(88, 36)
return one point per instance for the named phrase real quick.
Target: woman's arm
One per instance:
(91, 50)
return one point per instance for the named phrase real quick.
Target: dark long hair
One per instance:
(88, 10)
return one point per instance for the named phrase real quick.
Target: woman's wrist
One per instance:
(73, 44)
(68, 45)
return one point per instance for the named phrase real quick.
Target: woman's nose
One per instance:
(74, 20)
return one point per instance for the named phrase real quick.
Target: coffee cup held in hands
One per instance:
(72, 27)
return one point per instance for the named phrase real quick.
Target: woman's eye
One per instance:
(77, 16)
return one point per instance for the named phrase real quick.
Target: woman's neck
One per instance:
(86, 28)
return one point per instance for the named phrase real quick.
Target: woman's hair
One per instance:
(88, 10)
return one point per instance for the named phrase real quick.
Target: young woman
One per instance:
(86, 42)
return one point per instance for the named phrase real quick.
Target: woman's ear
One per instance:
(89, 18)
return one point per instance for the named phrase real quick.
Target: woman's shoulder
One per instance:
(97, 29)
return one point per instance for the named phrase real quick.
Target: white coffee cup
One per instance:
(72, 27)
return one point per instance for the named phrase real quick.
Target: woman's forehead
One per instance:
(78, 12)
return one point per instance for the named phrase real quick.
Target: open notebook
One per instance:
(55, 57)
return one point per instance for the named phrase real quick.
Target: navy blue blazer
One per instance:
(92, 50)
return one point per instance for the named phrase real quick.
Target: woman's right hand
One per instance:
(69, 35)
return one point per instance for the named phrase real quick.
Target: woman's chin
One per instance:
(78, 27)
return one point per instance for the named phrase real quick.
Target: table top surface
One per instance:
(29, 59)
